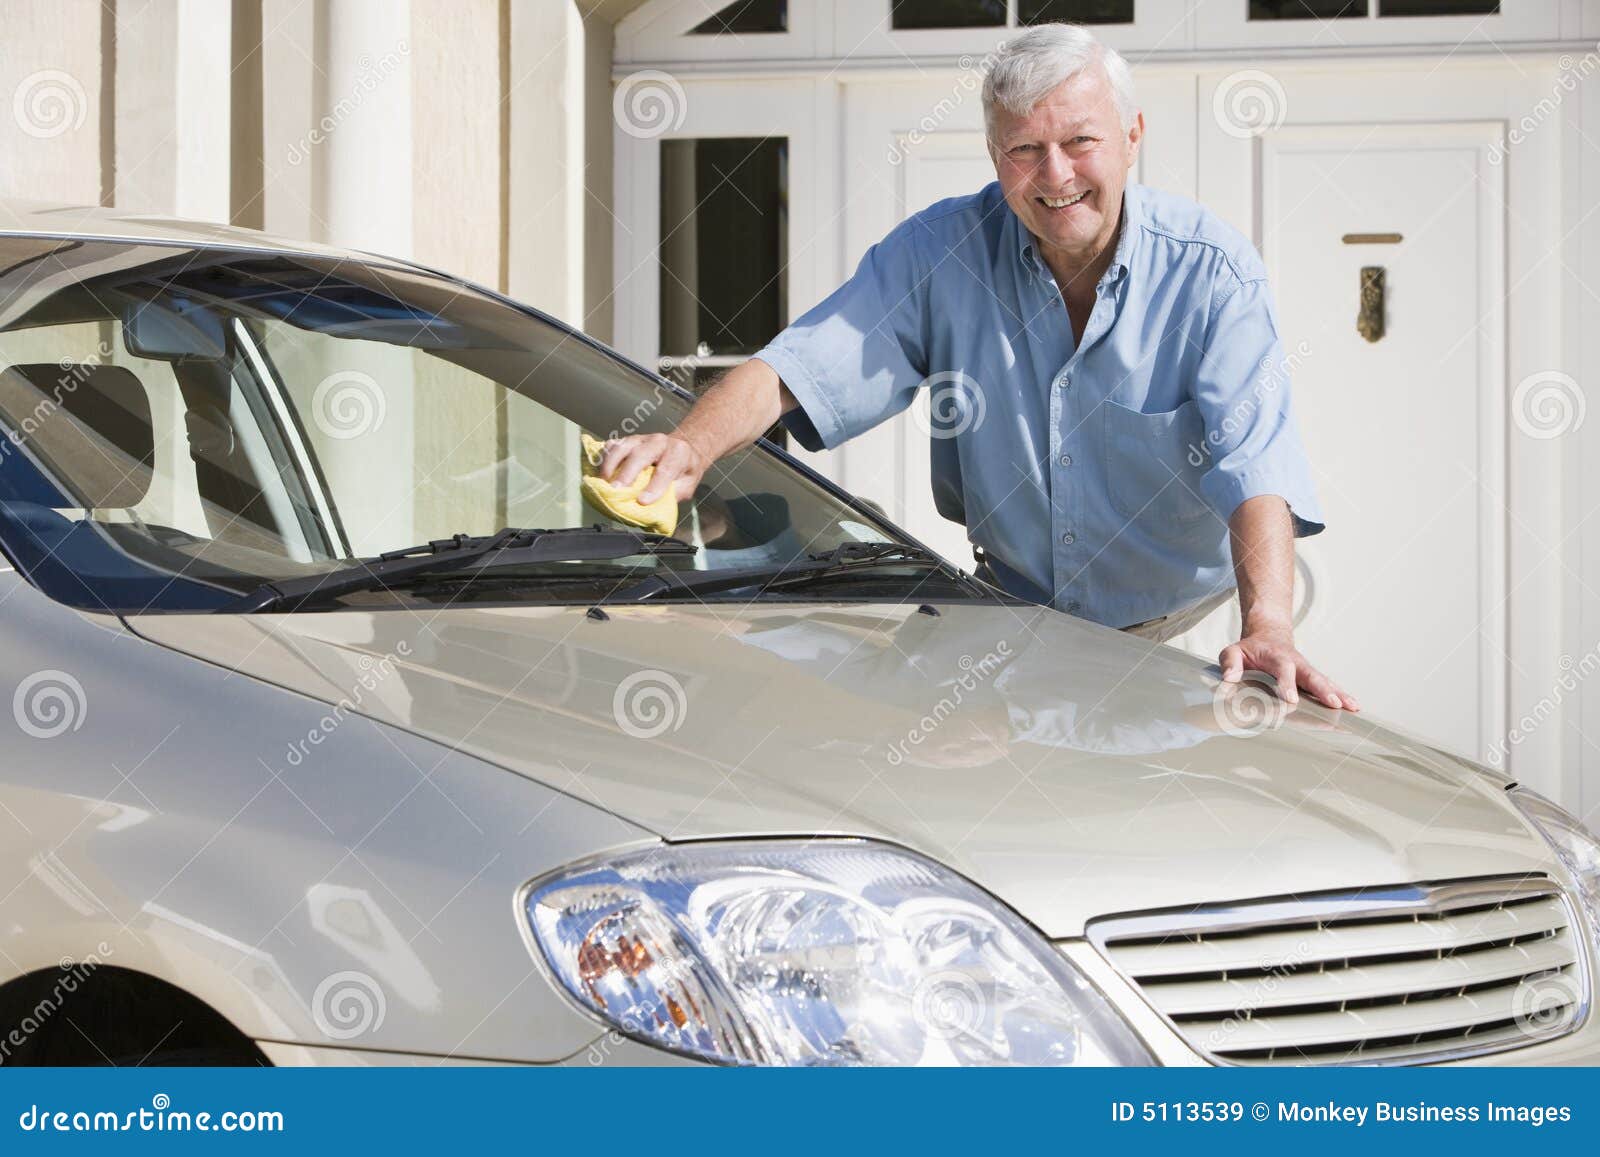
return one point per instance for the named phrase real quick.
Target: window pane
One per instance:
(746, 16)
(1075, 11)
(723, 238)
(724, 245)
(1306, 9)
(1438, 7)
(947, 13)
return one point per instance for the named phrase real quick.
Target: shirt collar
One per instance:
(1128, 229)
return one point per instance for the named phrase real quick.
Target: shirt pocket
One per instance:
(1154, 463)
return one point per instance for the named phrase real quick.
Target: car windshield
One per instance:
(184, 425)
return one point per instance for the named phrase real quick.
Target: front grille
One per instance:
(1377, 976)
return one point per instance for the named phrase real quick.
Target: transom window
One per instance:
(919, 14)
(1366, 9)
(745, 16)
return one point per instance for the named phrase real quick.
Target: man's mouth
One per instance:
(1063, 202)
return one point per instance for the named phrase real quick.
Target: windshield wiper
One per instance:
(847, 558)
(461, 554)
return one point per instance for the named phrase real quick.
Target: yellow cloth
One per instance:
(622, 502)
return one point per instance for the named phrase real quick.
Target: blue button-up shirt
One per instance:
(1098, 476)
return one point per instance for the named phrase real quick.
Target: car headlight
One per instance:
(1575, 846)
(836, 952)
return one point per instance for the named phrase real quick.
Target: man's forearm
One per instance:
(1261, 531)
(737, 409)
(733, 413)
(1262, 535)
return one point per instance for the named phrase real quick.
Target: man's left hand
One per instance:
(1272, 650)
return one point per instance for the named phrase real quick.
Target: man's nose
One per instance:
(1058, 171)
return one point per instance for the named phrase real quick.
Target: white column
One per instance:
(547, 156)
(338, 122)
(289, 71)
(173, 107)
(50, 91)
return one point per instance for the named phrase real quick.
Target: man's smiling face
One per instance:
(1063, 166)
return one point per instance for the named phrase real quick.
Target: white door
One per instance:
(1404, 432)
(1403, 597)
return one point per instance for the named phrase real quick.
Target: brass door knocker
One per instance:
(1369, 321)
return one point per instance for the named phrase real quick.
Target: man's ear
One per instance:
(1135, 137)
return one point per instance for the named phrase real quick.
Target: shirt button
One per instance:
(1063, 381)
(1066, 459)
(1068, 538)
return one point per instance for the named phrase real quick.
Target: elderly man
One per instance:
(1115, 426)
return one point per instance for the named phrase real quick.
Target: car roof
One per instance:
(21, 218)
(94, 222)
(42, 218)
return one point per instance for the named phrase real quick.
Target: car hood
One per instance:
(1072, 770)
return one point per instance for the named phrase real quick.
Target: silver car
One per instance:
(347, 731)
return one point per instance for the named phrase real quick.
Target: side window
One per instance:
(202, 467)
(174, 495)
(170, 497)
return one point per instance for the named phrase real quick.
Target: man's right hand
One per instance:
(731, 414)
(677, 461)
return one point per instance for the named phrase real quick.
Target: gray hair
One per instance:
(1029, 68)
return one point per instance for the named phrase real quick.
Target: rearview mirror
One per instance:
(158, 330)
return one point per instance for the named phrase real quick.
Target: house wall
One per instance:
(473, 135)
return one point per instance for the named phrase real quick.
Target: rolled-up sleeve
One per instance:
(1242, 389)
(858, 357)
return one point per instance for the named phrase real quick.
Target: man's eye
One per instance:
(1022, 149)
